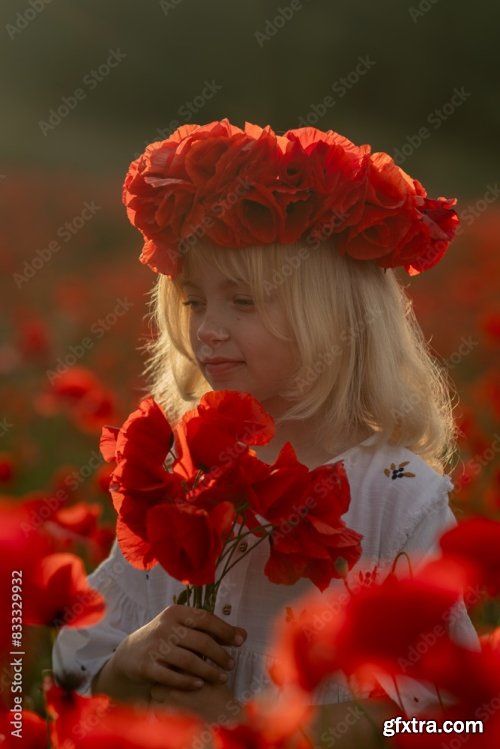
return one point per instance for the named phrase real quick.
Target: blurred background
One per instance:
(87, 85)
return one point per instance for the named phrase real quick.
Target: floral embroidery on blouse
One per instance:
(399, 471)
(368, 577)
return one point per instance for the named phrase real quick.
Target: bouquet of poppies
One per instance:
(187, 495)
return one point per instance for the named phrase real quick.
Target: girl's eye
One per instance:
(193, 303)
(244, 301)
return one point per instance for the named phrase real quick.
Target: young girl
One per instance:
(275, 257)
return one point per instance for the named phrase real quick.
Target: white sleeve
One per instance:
(421, 547)
(79, 653)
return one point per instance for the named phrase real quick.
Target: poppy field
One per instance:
(74, 320)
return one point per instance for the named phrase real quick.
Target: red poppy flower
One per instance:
(60, 594)
(360, 632)
(470, 431)
(23, 545)
(489, 324)
(188, 540)
(487, 391)
(94, 723)
(102, 476)
(6, 467)
(91, 413)
(475, 544)
(74, 383)
(135, 728)
(33, 338)
(269, 725)
(210, 434)
(471, 681)
(80, 518)
(90, 404)
(219, 430)
(304, 648)
(309, 538)
(492, 494)
(70, 714)
(139, 480)
(32, 733)
(373, 635)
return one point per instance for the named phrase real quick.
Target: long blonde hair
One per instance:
(364, 361)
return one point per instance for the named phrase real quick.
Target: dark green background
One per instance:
(173, 48)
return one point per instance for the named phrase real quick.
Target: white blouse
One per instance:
(398, 503)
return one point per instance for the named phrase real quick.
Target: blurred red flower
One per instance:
(80, 518)
(270, 724)
(475, 544)
(471, 682)
(6, 467)
(360, 632)
(31, 735)
(59, 594)
(94, 723)
(489, 324)
(23, 545)
(89, 403)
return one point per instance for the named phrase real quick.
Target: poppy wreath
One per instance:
(242, 188)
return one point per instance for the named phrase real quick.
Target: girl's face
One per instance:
(233, 348)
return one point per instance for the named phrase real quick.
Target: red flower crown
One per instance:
(240, 188)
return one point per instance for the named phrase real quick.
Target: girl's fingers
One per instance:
(192, 664)
(203, 644)
(167, 677)
(207, 622)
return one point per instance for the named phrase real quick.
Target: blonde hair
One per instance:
(363, 360)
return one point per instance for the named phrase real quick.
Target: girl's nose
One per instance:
(211, 329)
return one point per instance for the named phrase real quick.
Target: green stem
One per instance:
(440, 699)
(398, 694)
(405, 555)
(251, 548)
(348, 587)
(381, 742)
(241, 536)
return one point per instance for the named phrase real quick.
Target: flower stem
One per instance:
(251, 548)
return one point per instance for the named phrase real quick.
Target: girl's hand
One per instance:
(214, 703)
(181, 648)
